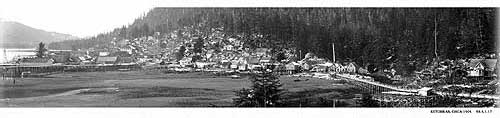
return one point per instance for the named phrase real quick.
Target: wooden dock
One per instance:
(21, 71)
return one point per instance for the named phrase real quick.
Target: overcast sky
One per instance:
(76, 17)
(85, 18)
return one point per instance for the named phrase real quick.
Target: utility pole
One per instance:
(300, 54)
(334, 101)
(497, 67)
(333, 52)
(435, 36)
(5, 56)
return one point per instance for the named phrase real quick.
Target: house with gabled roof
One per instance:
(352, 67)
(292, 66)
(482, 67)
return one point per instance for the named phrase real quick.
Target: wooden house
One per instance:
(336, 68)
(265, 60)
(106, 60)
(351, 67)
(319, 69)
(186, 61)
(306, 66)
(482, 67)
(242, 67)
(292, 67)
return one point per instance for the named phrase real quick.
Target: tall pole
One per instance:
(333, 52)
(300, 54)
(497, 67)
(5, 56)
(435, 36)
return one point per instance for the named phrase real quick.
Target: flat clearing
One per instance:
(153, 89)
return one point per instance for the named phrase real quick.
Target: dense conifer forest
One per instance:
(381, 36)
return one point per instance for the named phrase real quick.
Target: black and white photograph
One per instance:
(133, 54)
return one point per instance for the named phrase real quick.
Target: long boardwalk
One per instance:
(379, 87)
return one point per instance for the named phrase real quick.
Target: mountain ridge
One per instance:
(18, 35)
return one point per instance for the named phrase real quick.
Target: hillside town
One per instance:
(471, 82)
(190, 49)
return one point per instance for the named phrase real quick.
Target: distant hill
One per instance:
(17, 35)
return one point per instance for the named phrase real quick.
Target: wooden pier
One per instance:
(373, 87)
(21, 71)
(376, 88)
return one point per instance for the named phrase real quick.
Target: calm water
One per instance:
(9, 54)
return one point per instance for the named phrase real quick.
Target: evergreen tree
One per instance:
(280, 56)
(41, 50)
(180, 53)
(265, 92)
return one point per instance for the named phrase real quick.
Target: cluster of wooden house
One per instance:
(68, 57)
(318, 65)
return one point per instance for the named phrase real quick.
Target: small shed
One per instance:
(363, 71)
(292, 66)
(424, 91)
(234, 66)
(242, 67)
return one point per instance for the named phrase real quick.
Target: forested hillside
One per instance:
(406, 36)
